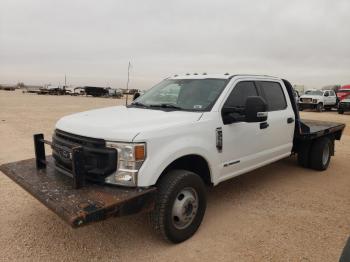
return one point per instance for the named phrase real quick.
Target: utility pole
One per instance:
(127, 85)
(65, 83)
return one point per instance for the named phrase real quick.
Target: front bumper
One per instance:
(78, 207)
(307, 105)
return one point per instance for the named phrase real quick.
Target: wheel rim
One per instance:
(325, 155)
(185, 208)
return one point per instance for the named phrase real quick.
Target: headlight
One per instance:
(314, 101)
(130, 159)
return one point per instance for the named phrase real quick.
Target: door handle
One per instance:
(290, 120)
(264, 125)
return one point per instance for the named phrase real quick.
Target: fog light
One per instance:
(124, 177)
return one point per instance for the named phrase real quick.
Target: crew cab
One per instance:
(161, 152)
(318, 99)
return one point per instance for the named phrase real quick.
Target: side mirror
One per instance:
(136, 95)
(255, 109)
(232, 114)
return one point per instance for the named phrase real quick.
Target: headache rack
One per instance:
(76, 154)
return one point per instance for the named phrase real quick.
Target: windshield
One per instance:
(314, 93)
(183, 94)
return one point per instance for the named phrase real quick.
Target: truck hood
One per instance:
(120, 123)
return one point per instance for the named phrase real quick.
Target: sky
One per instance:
(92, 42)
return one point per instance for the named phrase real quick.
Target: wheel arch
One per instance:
(191, 162)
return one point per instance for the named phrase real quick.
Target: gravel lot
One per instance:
(280, 212)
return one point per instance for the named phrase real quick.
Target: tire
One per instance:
(303, 155)
(319, 107)
(301, 108)
(340, 111)
(177, 191)
(328, 108)
(320, 154)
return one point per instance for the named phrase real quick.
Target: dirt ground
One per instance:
(280, 212)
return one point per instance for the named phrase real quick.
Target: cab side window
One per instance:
(239, 94)
(273, 94)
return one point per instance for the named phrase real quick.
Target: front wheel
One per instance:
(180, 205)
(340, 111)
(319, 107)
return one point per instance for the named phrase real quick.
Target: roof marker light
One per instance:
(195, 74)
(205, 74)
(187, 74)
(226, 74)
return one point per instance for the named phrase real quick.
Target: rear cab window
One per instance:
(273, 94)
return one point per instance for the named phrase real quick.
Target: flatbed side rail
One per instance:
(76, 154)
(312, 129)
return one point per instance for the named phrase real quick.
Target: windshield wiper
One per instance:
(138, 104)
(165, 105)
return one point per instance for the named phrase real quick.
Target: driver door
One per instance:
(326, 98)
(243, 143)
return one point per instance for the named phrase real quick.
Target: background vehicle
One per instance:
(115, 93)
(52, 90)
(318, 99)
(95, 91)
(296, 95)
(344, 105)
(159, 154)
(343, 92)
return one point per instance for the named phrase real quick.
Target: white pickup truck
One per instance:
(318, 99)
(160, 153)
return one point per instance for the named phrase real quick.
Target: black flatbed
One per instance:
(312, 129)
(78, 207)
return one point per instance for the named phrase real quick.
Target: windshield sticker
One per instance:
(197, 107)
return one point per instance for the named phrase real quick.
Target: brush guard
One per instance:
(75, 153)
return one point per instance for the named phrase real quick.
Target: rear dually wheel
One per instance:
(320, 154)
